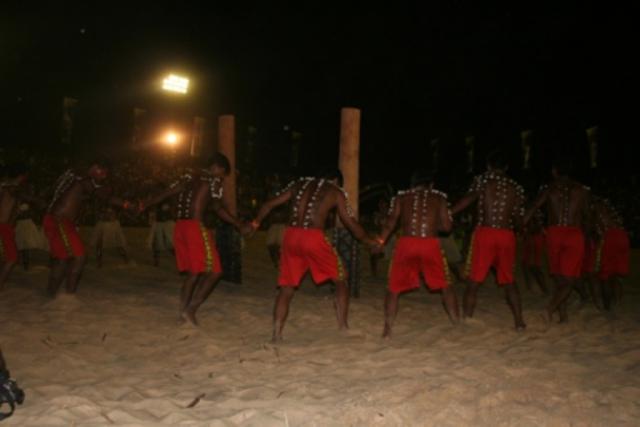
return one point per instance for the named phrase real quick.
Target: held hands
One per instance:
(248, 229)
(377, 244)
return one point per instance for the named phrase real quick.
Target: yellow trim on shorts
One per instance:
(207, 248)
(467, 264)
(65, 238)
(338, 259)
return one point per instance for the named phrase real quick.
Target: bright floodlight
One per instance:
(171, 138)
(175, 83)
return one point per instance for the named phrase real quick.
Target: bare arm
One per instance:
(225, 215)
(464, 203)
(271, 204)
(444, 217)
(391, 221)
(345, 214)
(34, 200)
(171, 191)
(540, 200)
(518, 213)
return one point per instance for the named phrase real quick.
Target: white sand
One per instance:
(114, 355)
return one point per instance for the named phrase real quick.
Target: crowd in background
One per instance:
(135, 178)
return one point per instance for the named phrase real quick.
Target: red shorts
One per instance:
(195, 248)
(415, 255)
(614, 257)
(532, 248)
(306, 249)
(565, 248)
(589, 260)
(63, 236)
(8, 248)
(492, 247)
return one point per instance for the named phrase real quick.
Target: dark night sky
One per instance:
(417, 72)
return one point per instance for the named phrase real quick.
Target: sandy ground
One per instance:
(115, 355)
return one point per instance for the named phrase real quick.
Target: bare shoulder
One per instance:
(440, 196)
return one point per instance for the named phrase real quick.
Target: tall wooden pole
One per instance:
(227, 146)
(227, 238)
(349, 159)
(349, 164)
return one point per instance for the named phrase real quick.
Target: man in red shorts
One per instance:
(567, 204)
(533, 241)
(614, 249)
(500, 204)
(305, 246)
(422, 212)
(65, 245)
(11, 193)
(194, 244)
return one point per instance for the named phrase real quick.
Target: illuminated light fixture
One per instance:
(175, 83)
(171, 139)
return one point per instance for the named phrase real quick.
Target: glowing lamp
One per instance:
(175, 83)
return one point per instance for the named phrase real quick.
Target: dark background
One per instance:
(417, 71)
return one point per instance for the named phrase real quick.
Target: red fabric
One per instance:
(614, 258)
(565, 248)
(492, 247)
(195, 248)
(63, 236)
(308, 249)
(415, 255)
(589, 260)
(532, 249)
(8, 248)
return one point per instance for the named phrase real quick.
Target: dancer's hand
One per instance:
(247, 229)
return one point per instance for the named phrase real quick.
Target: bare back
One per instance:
(199, 189)
(605, 215)
(500, 200)
(69, 195)
(567, 203)
(423, 212)
(312, 201)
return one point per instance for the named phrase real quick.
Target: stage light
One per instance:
(175, 83)
(171, 139)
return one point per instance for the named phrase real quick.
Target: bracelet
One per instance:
(255, 224)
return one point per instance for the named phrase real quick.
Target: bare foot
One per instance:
(276, 338)
(386, 334)
(520, 326)
(189, 317)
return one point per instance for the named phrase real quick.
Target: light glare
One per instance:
(175, 83)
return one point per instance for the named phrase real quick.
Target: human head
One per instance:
(99, 168)
(497, 161)
(219, 165)
(422, 177)
(17, 172)
(334, 176)
(562, 167)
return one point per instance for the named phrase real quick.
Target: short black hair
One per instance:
(497, 159)
(331, 174)
(563, 165)
(219, 159)
(15, 170)
(102, 161)
(422, 177)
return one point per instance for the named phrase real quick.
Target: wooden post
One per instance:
(227, 238)
(227, 146)
(349, 159)
(349, 164)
